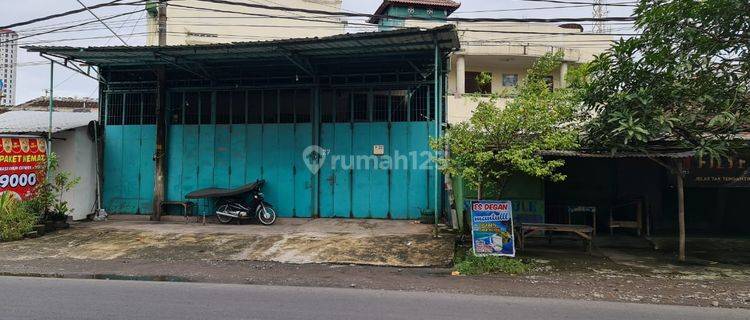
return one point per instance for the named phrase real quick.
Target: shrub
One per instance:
(476, 265)
(15, 218)
(47, 201)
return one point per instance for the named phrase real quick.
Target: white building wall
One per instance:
(77, 155)
(8, 66)
(193, 26)
(509, 48)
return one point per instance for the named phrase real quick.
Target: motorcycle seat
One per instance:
(223, 192)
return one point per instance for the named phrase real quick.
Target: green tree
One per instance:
(496, 143)
(683, 82)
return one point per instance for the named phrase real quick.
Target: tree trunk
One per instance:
(681, 208)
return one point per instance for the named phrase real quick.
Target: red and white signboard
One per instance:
(23, 161)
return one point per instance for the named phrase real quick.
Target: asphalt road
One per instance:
(40, 298)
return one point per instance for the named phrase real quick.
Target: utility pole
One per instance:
(161, 124)
(162, 21)
(600, 12)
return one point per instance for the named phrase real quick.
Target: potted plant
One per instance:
(48, 201)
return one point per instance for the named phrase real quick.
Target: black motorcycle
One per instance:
(245, 202)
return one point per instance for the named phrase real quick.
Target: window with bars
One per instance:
(132, 113)
(286, 106)
(114, 109)
(149, 108)
(399, 111)
(270, 106)
(419, 107)
(254, 107)
(223, 107)
(131, 108)
(302, 105)
(343, 106)
(359, 107)
(205, 107)
(380, 106)
(174, 110)
(192, 106)
(238, 107)
(326, 106)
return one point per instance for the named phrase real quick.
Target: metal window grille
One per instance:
(419, 105)
(326, 106)
(191, 102)
(238, 107)
(254, 107)
(302, 105)
(132, 109)
(359, 107)
(175, 108)
(286, 106)
(343, 107)
(270, 106)
(380, 107)
(149, 108)
(114, 109)
(223, 107)
(399, 111)
(206, 108)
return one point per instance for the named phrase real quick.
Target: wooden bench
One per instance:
(186, 207)
(585, 232)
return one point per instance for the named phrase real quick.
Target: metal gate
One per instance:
(128, 184)
(230, 138)
(378, 157)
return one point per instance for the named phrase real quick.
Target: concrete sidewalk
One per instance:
(367, 242)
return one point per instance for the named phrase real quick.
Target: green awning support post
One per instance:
(438, 119)
(51, 108)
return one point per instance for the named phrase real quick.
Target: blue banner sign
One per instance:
(492, 228)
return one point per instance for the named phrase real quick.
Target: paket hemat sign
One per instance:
(492, 228)
(23, 162)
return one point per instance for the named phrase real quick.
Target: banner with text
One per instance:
(492, 228)
(23, 161)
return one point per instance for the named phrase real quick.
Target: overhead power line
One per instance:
(67, 13)
(617, 4)
(103, 23)
(71, 26)
(524, 9)
(354, 14)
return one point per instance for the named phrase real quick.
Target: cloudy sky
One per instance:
(33, 74)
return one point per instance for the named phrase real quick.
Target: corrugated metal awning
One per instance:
(616, 155)
(38, 121)
(403, 41)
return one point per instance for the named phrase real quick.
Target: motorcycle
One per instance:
(245, 202)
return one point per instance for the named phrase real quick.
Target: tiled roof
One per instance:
(449, 5)
(60, 102)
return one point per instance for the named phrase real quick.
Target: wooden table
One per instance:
(585, 232)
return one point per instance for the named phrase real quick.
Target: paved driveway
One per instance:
(370, 242)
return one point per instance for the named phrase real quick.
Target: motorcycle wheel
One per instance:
(223, 206)
(266, 217)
